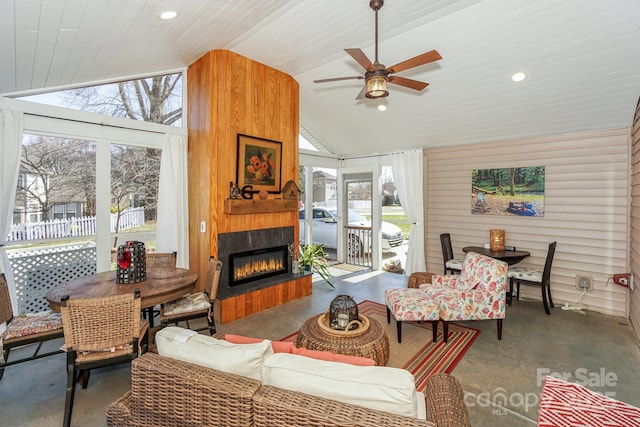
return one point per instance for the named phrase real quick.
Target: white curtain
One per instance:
(407, 174)
(172, 234)
(11, 125)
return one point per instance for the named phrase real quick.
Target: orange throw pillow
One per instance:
(334, 357)
(239, 339)
(277, 346)
(289, 347)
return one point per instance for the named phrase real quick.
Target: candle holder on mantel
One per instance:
(496, 240)
(132, 263)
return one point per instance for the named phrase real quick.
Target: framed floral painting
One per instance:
(259, 163)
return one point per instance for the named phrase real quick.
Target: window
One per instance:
(71, 210)
(66, 173)
(155, 99)
(56, 175)
(322, 188)
(57, 201)
(135, 174)
(58, 211)
(130, 186)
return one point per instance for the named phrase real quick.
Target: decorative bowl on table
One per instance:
(354, 328)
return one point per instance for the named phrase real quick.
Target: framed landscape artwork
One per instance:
(508, 191)
(259, 163)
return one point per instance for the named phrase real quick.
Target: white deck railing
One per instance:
(359, 245)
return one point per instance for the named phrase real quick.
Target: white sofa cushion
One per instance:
(240, 359)
(375, 387)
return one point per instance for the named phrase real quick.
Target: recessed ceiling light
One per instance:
(169, 14)
(382, 107)
(518, 77)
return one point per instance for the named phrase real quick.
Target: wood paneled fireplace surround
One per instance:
(229, 95)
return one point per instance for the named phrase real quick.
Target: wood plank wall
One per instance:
(230, 94)
(586, 210)
(634, 304)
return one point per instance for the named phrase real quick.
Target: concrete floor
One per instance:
(502, 379)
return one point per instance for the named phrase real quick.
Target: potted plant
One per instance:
(313, 258)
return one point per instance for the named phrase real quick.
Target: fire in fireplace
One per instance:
(257, 264)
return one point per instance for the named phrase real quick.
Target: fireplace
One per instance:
(244, 255)
(258, 264)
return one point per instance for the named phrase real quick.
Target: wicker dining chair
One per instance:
(158, 259)
(100, 332)
(195, 305)
(161, 259)
(25, 329)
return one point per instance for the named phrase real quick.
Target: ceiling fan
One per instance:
(377, 75)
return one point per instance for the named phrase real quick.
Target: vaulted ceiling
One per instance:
(581, 58)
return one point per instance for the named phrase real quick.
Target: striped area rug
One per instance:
(417, 353)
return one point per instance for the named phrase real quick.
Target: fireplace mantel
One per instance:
(253, 206)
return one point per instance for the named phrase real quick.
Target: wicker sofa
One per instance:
(169, 392)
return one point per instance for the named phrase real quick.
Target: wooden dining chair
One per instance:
(533, 277)
(25, 329)
(197, 304)
(451, 265)
(100, 332)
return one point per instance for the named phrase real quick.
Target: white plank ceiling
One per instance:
(582, 59)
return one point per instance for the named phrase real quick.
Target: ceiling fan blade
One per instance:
(425, 58)
(361, 58)
(335, 79)
(410, 83)
(361, 95)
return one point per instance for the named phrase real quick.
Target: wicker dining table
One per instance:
(374, 343)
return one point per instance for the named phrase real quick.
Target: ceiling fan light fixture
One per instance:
(376, 87)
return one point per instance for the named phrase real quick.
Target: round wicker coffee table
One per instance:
(373, 343)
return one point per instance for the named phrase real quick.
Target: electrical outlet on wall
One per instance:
(584, 283)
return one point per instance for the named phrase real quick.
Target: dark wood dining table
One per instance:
(163, 284)
(510, 257)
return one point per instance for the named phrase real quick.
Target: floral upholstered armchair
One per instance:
(477, 293)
